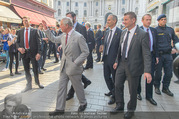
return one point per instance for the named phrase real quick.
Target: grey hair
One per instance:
(114, 17)
(88, 24)
(68, 21)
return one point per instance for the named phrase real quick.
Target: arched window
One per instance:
(59, 12)
(76, 12)
(123, 10)
(123, 2)
(136, 10)
(85, 13)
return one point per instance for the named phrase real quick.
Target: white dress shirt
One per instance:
(69, 34)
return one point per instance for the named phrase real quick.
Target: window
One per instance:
(123, 10)
(96, 12)
(85, 4)
(68, 3)
(123, 2)
(59, 3)
(76, 4)
(67, 10)
(85, 13)
(96, 3)
(76, 12)
(59, 12)
(136, 10)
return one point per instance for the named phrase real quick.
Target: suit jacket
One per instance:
(112, 53)
(74, 52)
(155, 40)
(34, 42)
(139, 56)
(81, 29)
(90, 39)
(98, 37)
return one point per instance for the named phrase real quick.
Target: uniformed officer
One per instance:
(165, 34)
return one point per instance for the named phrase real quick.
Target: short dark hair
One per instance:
(146, 15)
(72, 14)
(131, 15)
(58, 25)
(114, 17)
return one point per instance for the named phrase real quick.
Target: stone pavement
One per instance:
(44, 100)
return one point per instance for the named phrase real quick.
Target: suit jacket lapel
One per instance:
(133, 38)
(22, 34)
(114, 37)
(69, 40)
(122, 36)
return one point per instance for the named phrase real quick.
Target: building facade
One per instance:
(97, 11)
(168, 7)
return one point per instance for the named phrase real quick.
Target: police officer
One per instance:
(165, 34)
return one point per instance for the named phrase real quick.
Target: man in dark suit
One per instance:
(134, 59)
(98, 37)
(111, 45)
(28, 44)
(91, 44)
(82, 30)
(153, 44)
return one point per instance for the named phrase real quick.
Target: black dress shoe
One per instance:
(157, 91)
(87, 84)
(56, 61)
(17, 73)
(117, 109)
(56, 112)
(167, 91)
(111, 101)
(41, 86)
(139, 97)
(177, 81)
(43, 69)
(82, 108)
(152, 101)
(97, 60)
(40, 72)
(26, 89)
(86, 68)
(11, 74)
(108, 94)
(69, 97)
(128, 115)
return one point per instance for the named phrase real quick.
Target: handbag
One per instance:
(101, 47)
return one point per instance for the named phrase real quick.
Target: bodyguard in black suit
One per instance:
(152, 32)
(98, 37)
(91, 44)
(111, 45)
(28, 44)
(134, 59)
(82, 30)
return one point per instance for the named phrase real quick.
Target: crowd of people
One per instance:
(126, 53)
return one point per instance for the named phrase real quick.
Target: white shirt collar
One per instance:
(69, 33)
(132, 30)
(145, 29)
(113, 29)
(74, 25)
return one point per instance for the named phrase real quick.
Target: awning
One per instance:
(35, 18)
(165, 1)
(6, 15)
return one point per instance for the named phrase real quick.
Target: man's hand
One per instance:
(157, 60)
(115, 66)
(21, 50)
(148, 77)
(174, 51)
(45, 39)
(37, 57)
(59, 48)
(44, 25)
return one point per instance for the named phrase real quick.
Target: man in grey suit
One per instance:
(75, 51)
(133, 59)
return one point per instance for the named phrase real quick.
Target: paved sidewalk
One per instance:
(45, 99)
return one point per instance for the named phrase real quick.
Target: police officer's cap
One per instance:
(161, 16)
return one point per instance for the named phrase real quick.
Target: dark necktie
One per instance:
(149, 39)
(66, 39)
(107, 43)
(26, 40)
(125, 46)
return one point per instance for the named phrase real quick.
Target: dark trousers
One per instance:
(12, 55)
(165, 61)
(26, 63)
(89, 63)
(108, 71)
(43, 57)
(72, 91)
(98, 53)
(149, 86)
(52, 46)
(122, 74)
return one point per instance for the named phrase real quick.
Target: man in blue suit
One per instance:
(111, 45)
(153, 44)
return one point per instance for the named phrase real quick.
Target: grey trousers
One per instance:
(62, 91)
